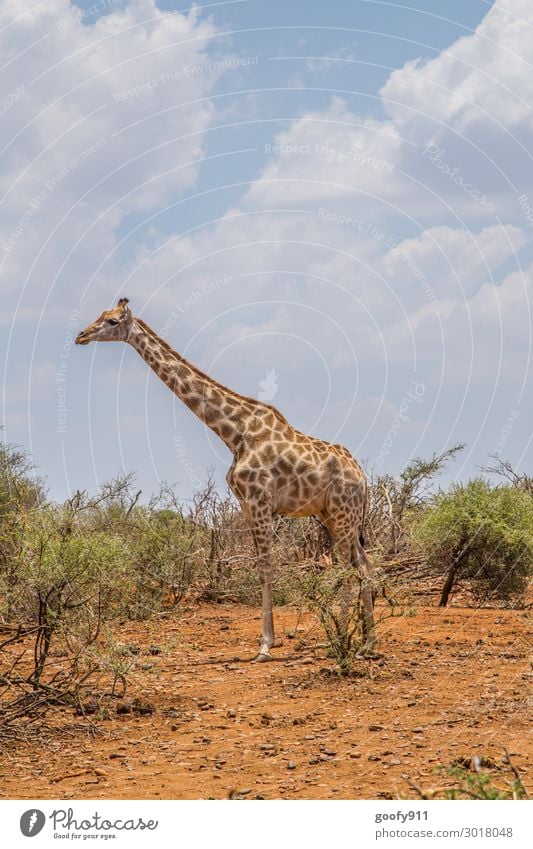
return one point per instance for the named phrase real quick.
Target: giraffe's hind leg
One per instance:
(344, 527)
(360, 561)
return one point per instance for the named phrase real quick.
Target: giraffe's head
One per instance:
(112, 326)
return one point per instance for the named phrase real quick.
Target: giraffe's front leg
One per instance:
(267, 630)
(262, 533)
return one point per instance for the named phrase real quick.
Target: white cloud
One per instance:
(327, 156)
(446, 261)
(482, 77)
(321, 226)
(110, 120)
(321, 66)
(353, 264)
(473, 104)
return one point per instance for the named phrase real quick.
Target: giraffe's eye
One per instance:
(112, 321)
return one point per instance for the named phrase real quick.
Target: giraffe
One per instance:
(276, 469)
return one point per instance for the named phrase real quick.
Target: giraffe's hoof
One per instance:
(262, 658)
(369, 654)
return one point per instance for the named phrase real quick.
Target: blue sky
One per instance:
(326, 205)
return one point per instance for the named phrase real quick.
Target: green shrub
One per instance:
(19, 487)
(69, 580)
(20, 491)
(484, 778)
(167, 554)
(482, 534)
(479, 778)
(332, 595)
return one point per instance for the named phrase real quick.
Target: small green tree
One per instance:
(393, 500)
(480, 533)
(166, 554)
(332, 594)
(20, 491)
(70, 579)
(19, 487)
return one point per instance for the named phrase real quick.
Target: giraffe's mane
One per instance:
(174, 354)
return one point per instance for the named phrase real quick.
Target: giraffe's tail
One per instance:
(363, 517)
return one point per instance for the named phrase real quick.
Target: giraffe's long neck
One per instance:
(224, 411)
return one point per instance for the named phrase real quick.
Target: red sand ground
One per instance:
(452, 683)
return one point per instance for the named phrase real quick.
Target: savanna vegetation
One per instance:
(71, 573)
